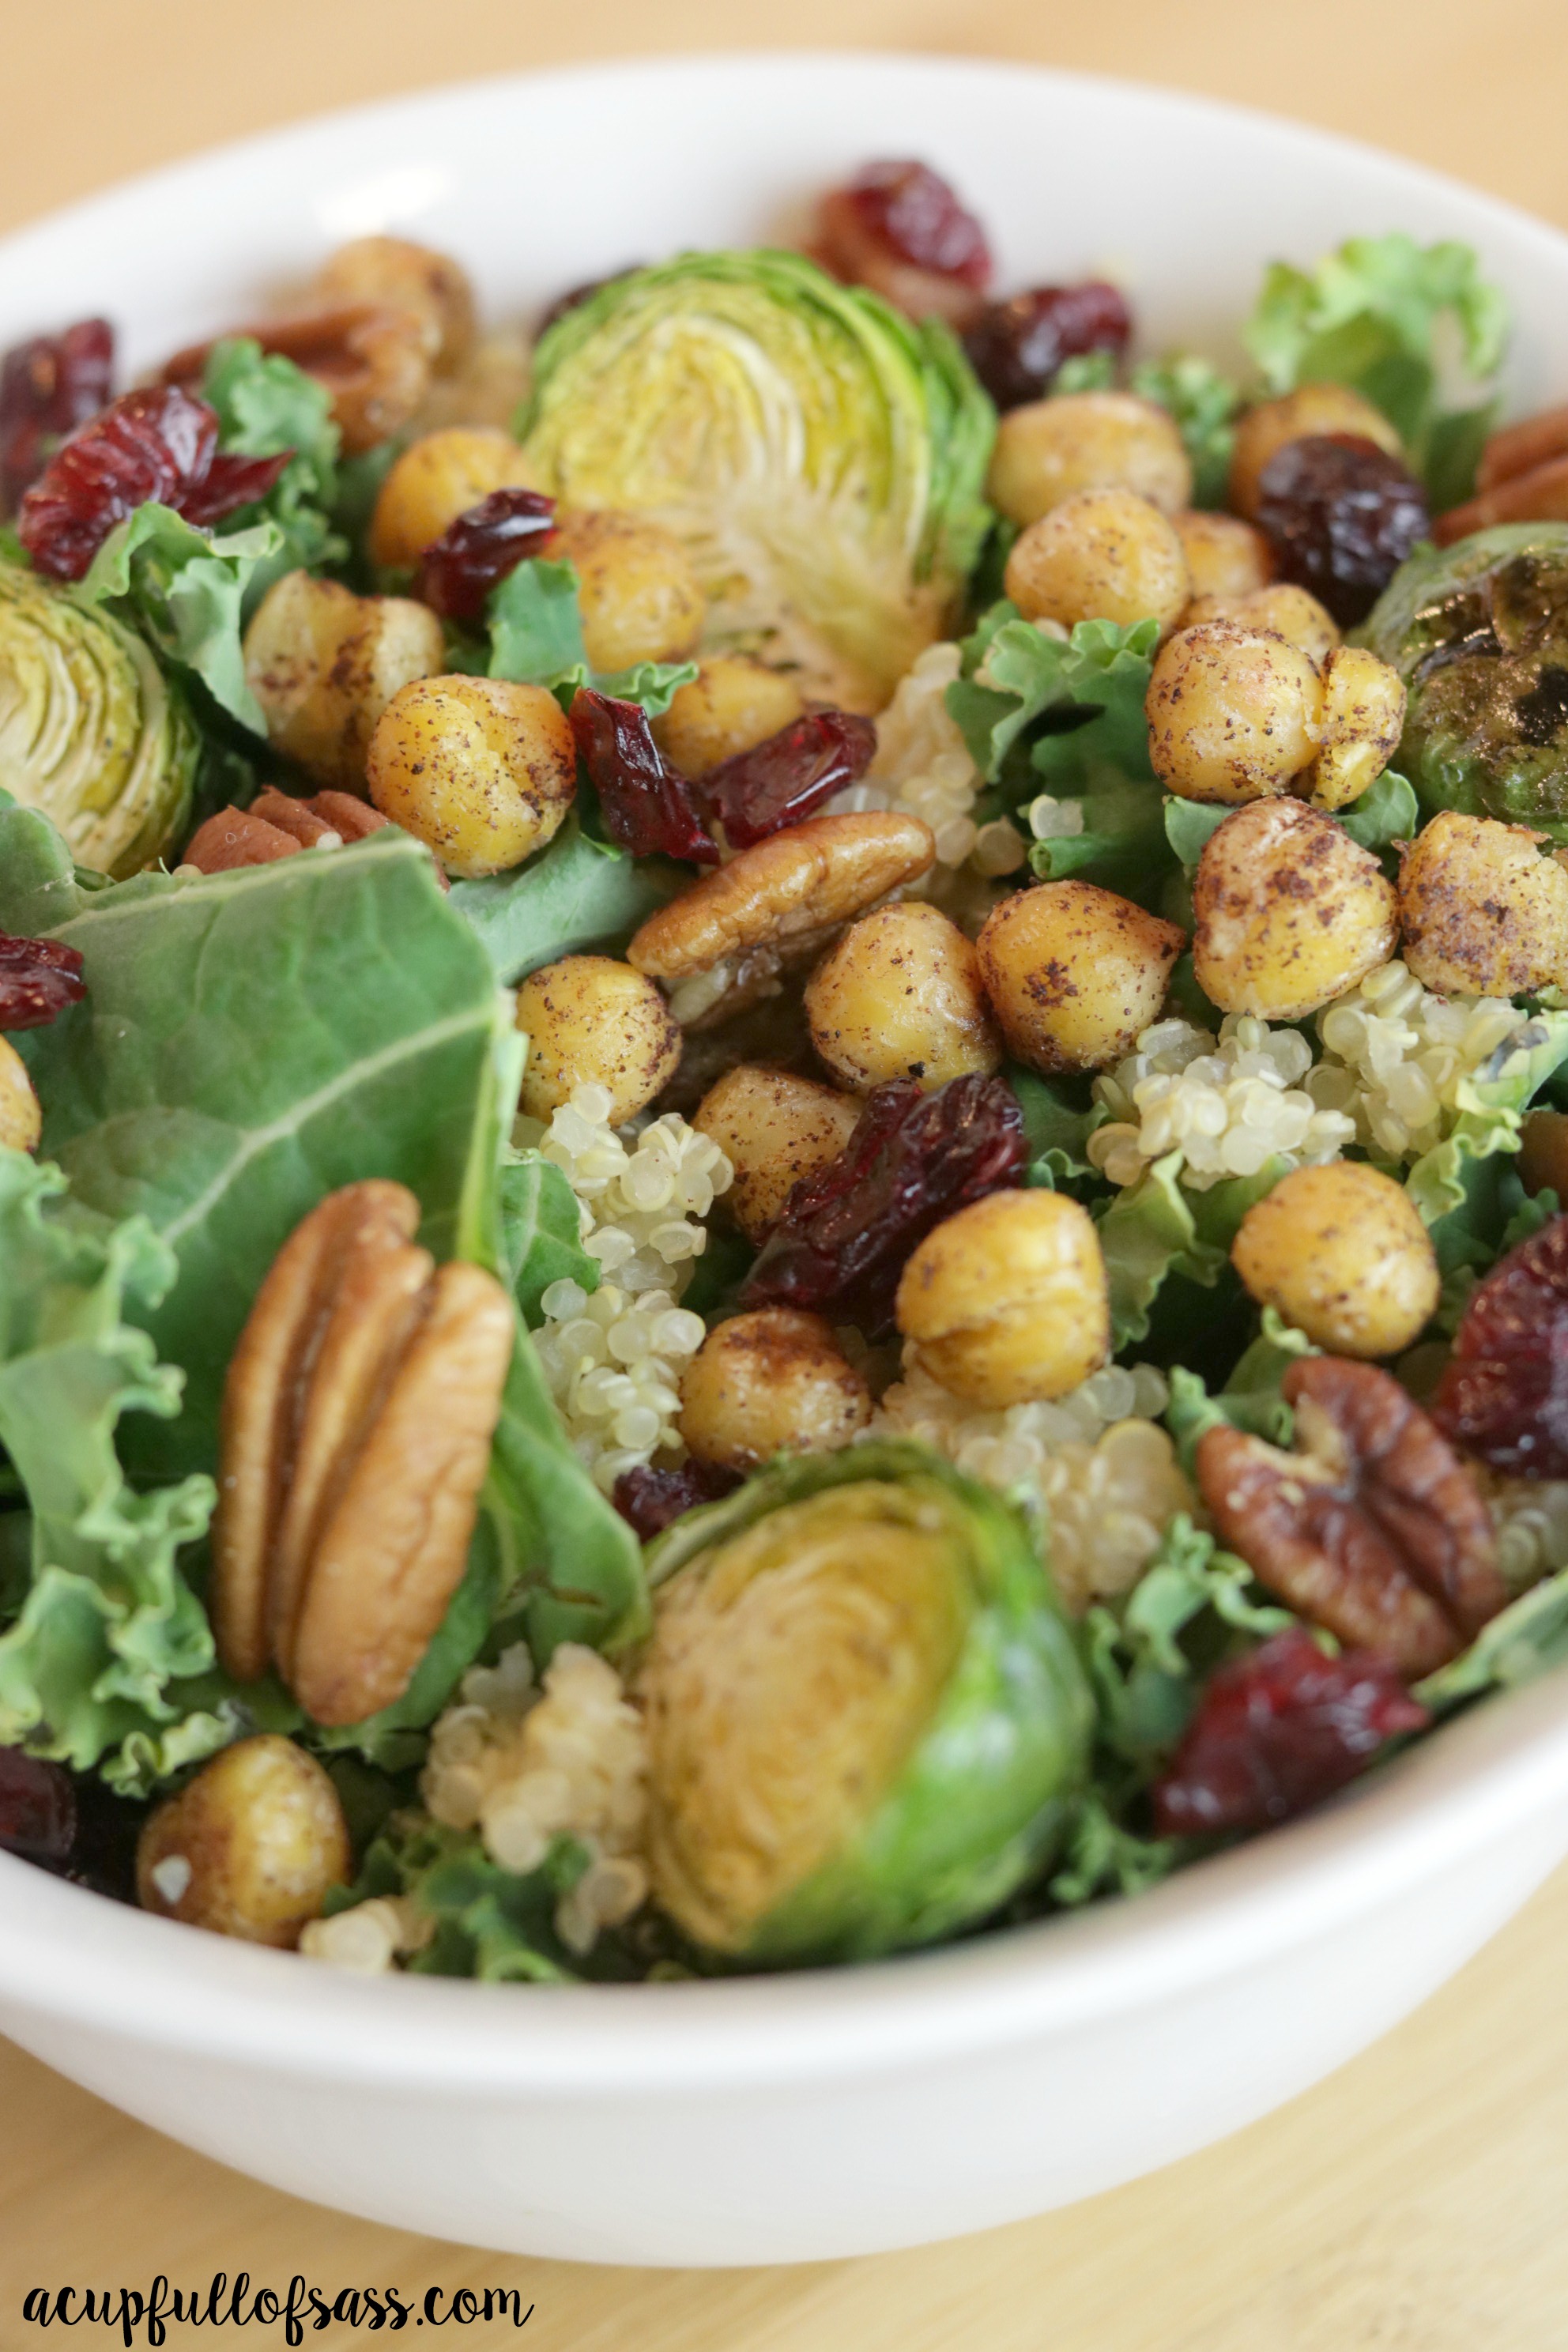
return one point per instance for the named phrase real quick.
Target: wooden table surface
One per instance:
(1415, 2202)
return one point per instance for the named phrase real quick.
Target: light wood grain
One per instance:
(1413, 2204)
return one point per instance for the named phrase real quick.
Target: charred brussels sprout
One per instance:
(92, 731)
(1480, 633)
(867, 1721)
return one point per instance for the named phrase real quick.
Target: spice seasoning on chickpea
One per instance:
(1343, 1254)
(772, 1381)
(1483, 911)
(774, 1128)
(483, 771)
(1048, 449)
(639, 598)
(1100, 554)
(590, 1020)
(901, 997)
(436, 479)
(1289, 911)
(1005, 1302)
(1075, 972)
(324, 664)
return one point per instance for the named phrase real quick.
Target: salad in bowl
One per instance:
(784, 1092)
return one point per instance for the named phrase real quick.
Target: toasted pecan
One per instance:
(373, 359)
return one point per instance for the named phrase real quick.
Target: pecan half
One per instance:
(374, 360)
(357, 1419)
(1373, 1527)
(275, 824)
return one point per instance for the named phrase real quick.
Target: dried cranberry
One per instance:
(1503, 1395)
(913, 211)
(1342, 515)
(648, 808)
(780, 782)
(458, 571)
(844, 1233)
(39, 978)
(1016, 347)
(652, 1500)
(37, 1807)
(1279, 1731)
(575, 296)
(49, 387)
(158, 443)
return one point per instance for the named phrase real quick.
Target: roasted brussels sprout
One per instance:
(1480, 633)
(867, 1717)
(91, 731)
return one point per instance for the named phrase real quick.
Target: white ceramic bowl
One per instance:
(794, 2117)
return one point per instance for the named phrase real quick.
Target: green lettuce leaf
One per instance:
(1463, 1186)
(1250, 1399)
(1055, 1126)
(536, 638)
(1159, 1227)
(1385, 812)
(577, 894)
(1369, 316)
(1102, 1856)
(1530, 1637)
(185, 590)
(1204, 403)
(1093, 687)
(492, 1924)
(541, 1232)
(266, 404)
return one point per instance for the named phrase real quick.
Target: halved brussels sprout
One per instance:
(92, 731)
(821, 456)
(867, 1717)
(1478, 631)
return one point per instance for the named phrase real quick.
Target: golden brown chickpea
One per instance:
(324, 664)
(21, 1118)
(1543, 1153)
(436, 479)
(1343, 1254)
(901, 997)
(1290, 612)
(1087, 441)
(1364, 717)
(1075, 972)
(770, 1382)
(1233, 713)
(250, 1847)
(1225, 557)
(730, 706)
(591, 1019)
(1483, 913)
(640, 599)
(773, 1127)
(408, 276)
(1105, 555)
(1005, 1303)
(1289, 912)
(478, 769)
(1311, 409)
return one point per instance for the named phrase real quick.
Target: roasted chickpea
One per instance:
(408, 276)
(478, 769)
(1543, 1153)
(1363, 719)
(901, 997)
(1099, 555)
(1233, 713)
(773, 1127)
(590, 1018)
(250, 1847)
(1343, 1254)
(768, 1382)
(436, 479)
(1291, 613)
(1225, 557)
(1289, 912)
(1087, 441)
(730, 706)
(1312, 408)
(324, 664)
(640, 600)
(1005, 1303)
(1483, 913)
(21, 1118)
(1075, 972)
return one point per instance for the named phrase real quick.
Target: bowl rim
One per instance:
(68, 1953)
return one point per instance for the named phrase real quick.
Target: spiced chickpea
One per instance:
(901, 997)
(1483, 912)
(1233, 713)
(1291, 613)
(592, 1019)
(323, 664)
(1341, 1253)
(1224, 556)
(773, 1126)
(1363, 719)
(1106, 555)
(639, 598)
(480, 770)
(1074, 973)
(436, 479)
(1289, 911)
(1087, 440)
(404, 276)
(21, 1117)
(1006, 1302)
(1312, 408)
(250, 1847)
(730, 706)
(769, 1382)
